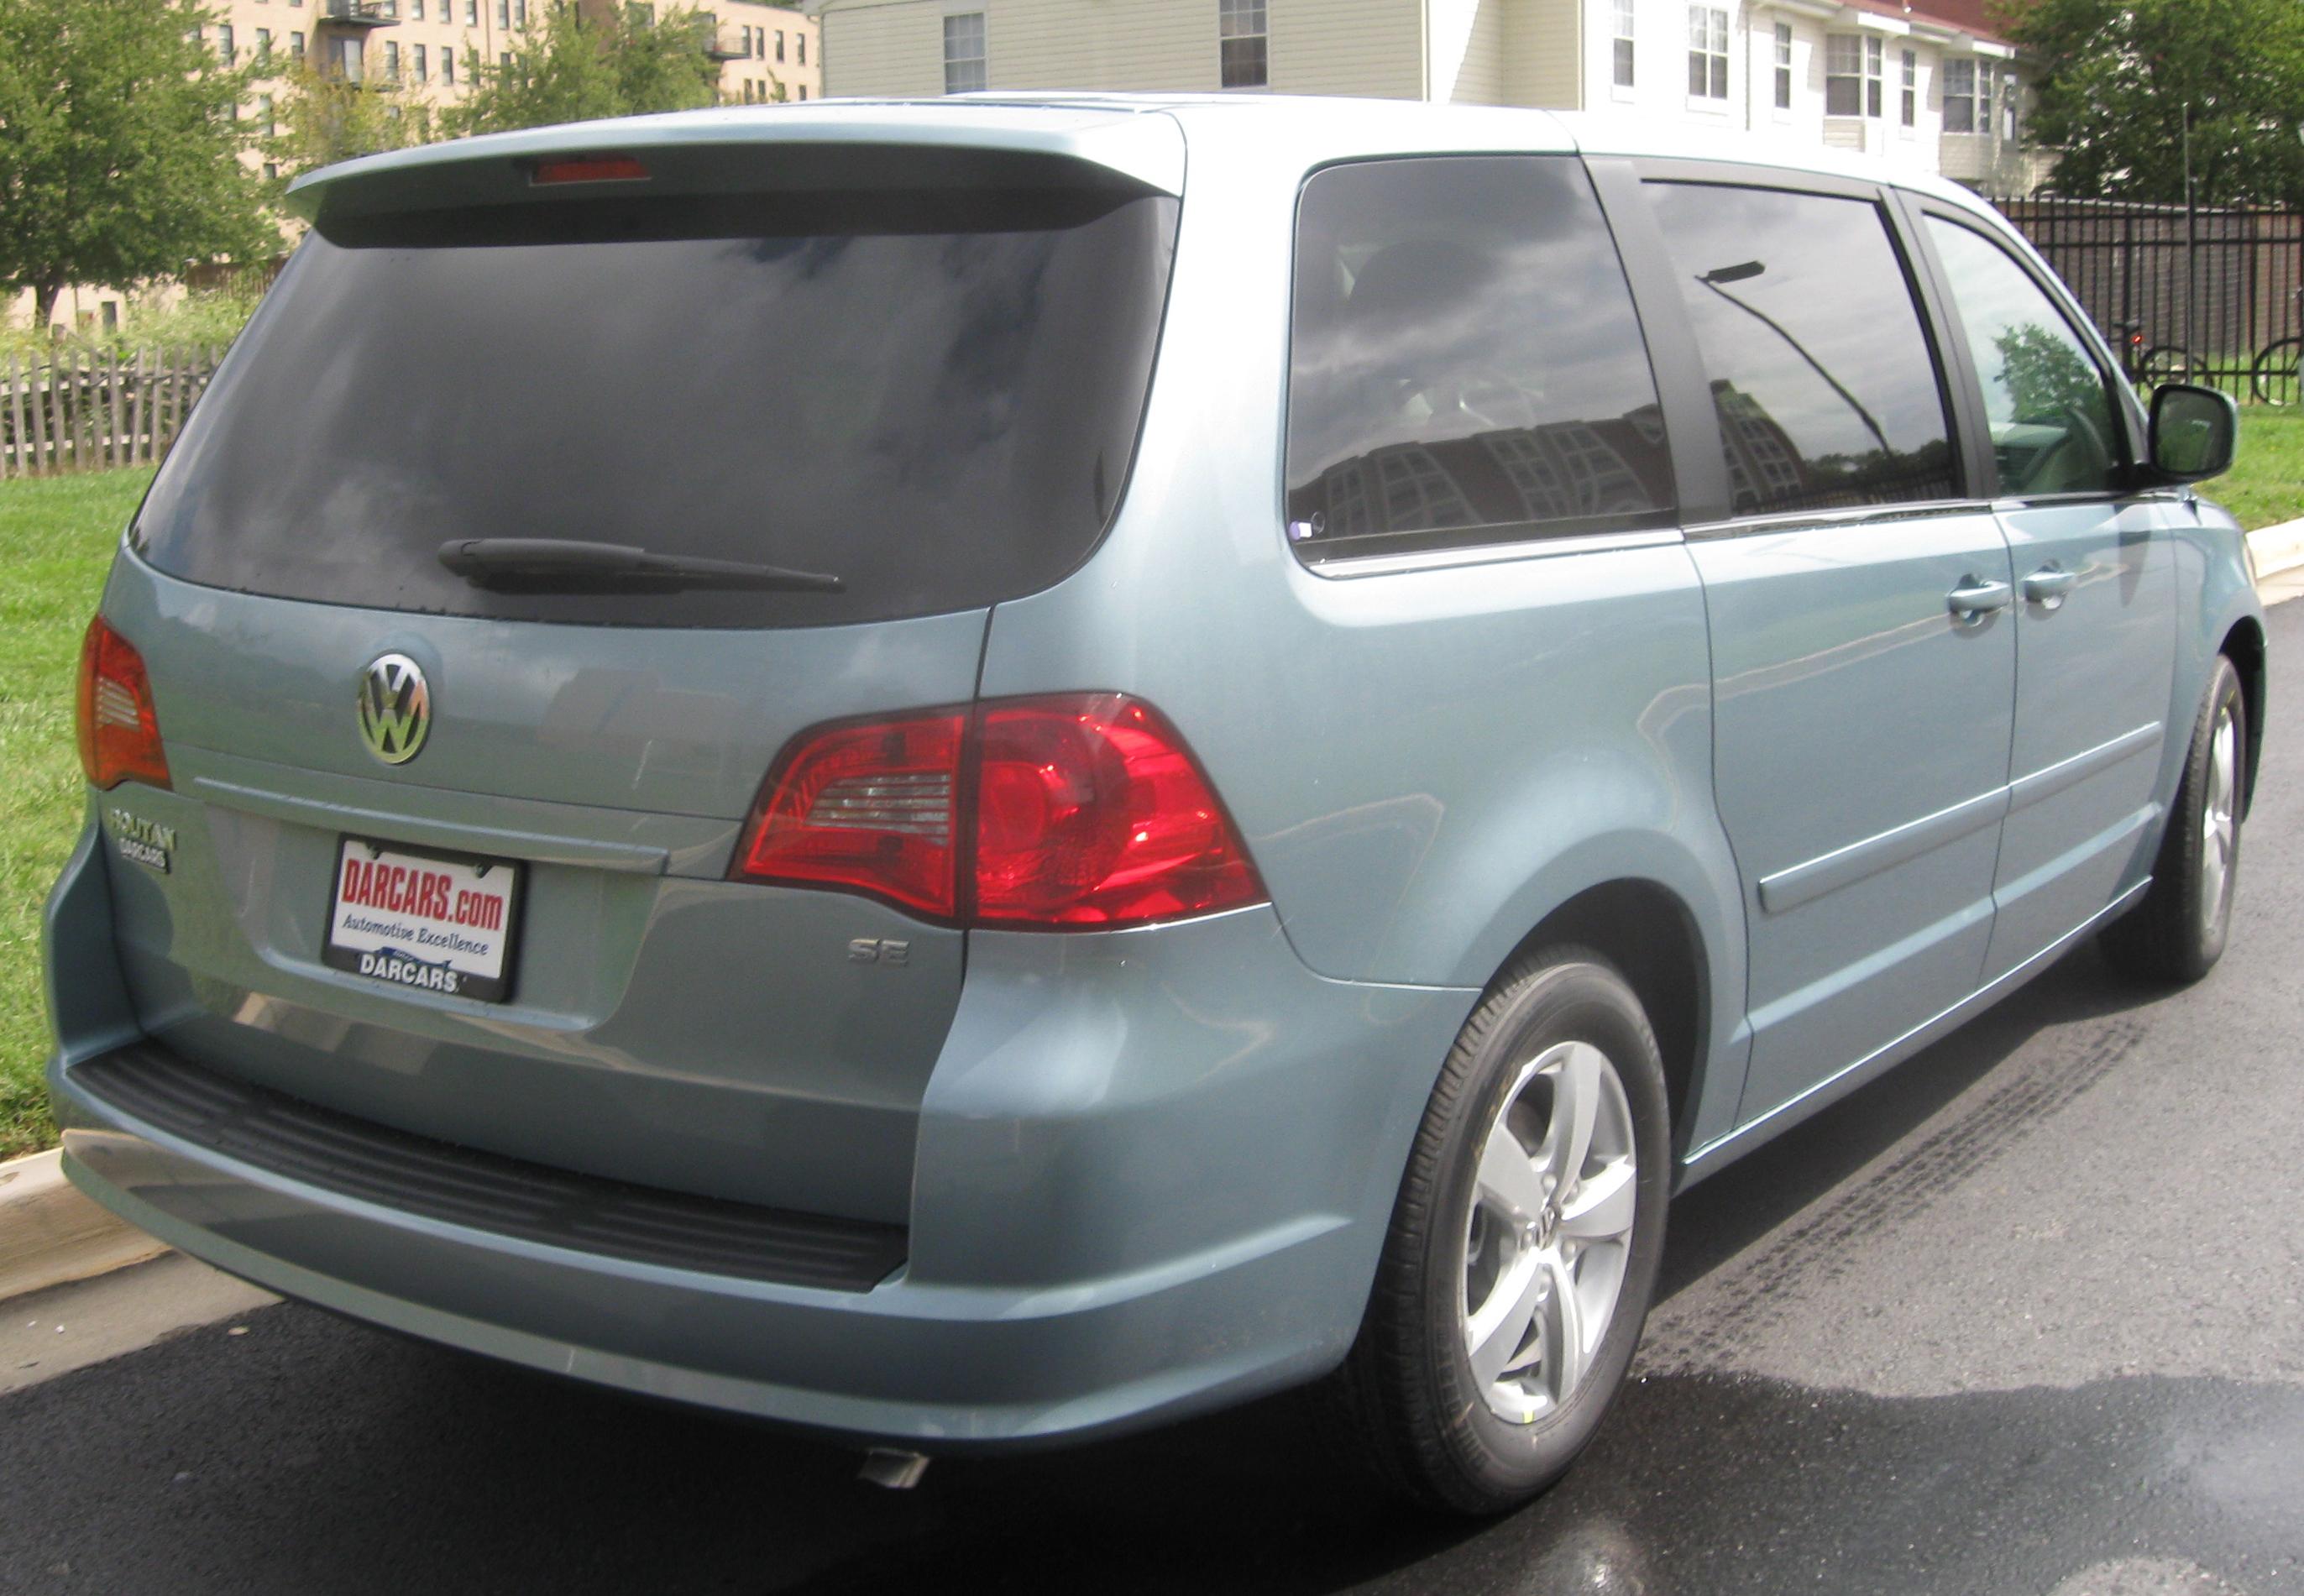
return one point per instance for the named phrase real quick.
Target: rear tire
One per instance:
(2177, 933)
(1523, 1248)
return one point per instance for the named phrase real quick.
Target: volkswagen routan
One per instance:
(973, 774)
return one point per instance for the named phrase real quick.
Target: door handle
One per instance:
(1975, 598)
(2047, 586)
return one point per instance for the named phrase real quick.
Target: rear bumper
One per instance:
(1154, 1173)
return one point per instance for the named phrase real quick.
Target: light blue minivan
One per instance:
(975, 772)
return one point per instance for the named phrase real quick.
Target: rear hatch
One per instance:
(841, 397)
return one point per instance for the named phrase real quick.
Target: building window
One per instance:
(264, 115)
(391, 59)
(1983, 101)
(504, 13)
(447, 64)
(1240, 41)
(416, 10)
(1623, 43)
(296, 46)
(1783, 66)
(1707, 53)
(780, 44)
(264, 47)
(1851, 75)
(1909, 107)
(422, 75)
(800, 39)
(2008, 107)
(803, 91)
(504, 60)
(271, 171)
(1960, 96)
(225, 52)
(963, 52)
(471, 13)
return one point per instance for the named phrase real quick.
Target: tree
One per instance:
(2122, 77)
(119, 146)
(320, 119)
(581, 67)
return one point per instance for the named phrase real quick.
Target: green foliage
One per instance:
(2048, 380)
(119, 150)
(56, 539)
(194, 322)
(578, 69)
(2266, 484)
(318, 120)
(2119, 75)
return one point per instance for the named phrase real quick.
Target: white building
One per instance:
(1927, 85)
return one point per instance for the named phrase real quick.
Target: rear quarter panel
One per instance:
(1424, 763)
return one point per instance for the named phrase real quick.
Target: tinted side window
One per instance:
(1827, 390)
(1466, 365)
(2044, 394)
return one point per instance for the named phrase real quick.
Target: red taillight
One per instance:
(872, 808)
(1089, 812)
(1076, 812)
(119, 730)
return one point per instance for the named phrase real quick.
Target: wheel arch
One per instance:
(2243, 645)
(1651, 936)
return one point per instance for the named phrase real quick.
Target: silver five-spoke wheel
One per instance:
(2219, 819)
(1548, 1231)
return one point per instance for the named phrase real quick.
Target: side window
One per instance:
(1826, 388)
(1465, 367)
(2044, 396)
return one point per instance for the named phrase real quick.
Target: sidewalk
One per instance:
(2279, 554)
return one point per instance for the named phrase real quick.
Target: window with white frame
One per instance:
(1983, 100)
(1852, 66)
(1622, 10)
(447, 63)
(1959, 96)
(224, 48)
(391, 59)
(1783, 66)
(963, 52)
(1241, 44)
(422, 74)
(2008, 107)
(1707, 53)
(1908, 109)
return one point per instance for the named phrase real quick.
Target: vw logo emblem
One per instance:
(396, 708)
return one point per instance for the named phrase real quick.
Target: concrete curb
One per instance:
(50, 1233)
(2279, 547)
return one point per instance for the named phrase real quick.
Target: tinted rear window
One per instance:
(925, 379)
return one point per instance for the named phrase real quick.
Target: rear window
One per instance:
(918, 371)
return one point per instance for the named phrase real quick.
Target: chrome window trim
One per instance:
(1853, 515)
(1591, 543)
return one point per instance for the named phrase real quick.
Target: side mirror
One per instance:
(2194, 432)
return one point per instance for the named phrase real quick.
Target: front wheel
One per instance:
(2178, 933)
(1524, 1245)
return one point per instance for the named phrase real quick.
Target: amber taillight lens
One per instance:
(119, 728)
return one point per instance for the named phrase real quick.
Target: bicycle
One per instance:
(2148, 369)
(2273, 375)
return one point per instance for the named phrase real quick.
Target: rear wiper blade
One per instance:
(574, 565)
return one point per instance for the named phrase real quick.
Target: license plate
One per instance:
(436, 922)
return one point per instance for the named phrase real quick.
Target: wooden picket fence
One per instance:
(92, 409)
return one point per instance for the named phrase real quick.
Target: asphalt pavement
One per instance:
(2021, 1318)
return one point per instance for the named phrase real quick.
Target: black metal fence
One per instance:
(2209, 295)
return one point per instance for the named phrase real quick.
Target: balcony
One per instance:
(725, 44)
(359, 14)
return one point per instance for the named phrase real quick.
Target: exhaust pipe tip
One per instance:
(893, 1469)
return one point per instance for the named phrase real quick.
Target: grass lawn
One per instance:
(56, 538)
(2266, 482)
